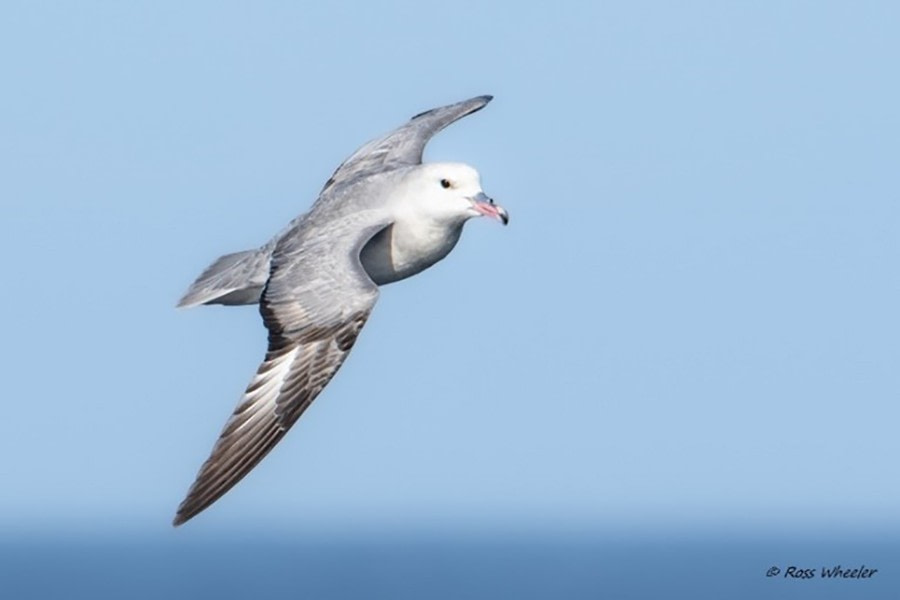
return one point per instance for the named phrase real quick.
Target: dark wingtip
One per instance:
(481, 100)
(182, 516)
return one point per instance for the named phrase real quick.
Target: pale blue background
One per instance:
(690, 326)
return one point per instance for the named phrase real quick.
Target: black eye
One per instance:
(445, 183)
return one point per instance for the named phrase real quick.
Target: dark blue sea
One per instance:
(443, 566)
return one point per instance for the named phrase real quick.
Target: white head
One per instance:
(451, 193)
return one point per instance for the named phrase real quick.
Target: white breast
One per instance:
(407, 247)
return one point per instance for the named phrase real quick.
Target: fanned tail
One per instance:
(232, 279)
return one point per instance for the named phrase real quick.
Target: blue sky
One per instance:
(691, 319)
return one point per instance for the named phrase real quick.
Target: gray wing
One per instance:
(317, 299)
(404, 145)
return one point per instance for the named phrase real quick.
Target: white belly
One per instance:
(401, 251)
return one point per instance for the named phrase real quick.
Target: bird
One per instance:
(381, 217)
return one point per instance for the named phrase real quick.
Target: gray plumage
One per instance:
(381, 217)
(238, 278)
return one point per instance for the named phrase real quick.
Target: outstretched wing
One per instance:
(317, 299)
(404, 145)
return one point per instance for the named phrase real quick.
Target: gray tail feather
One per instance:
(232, 279)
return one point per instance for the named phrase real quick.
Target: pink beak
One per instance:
(485, 205)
